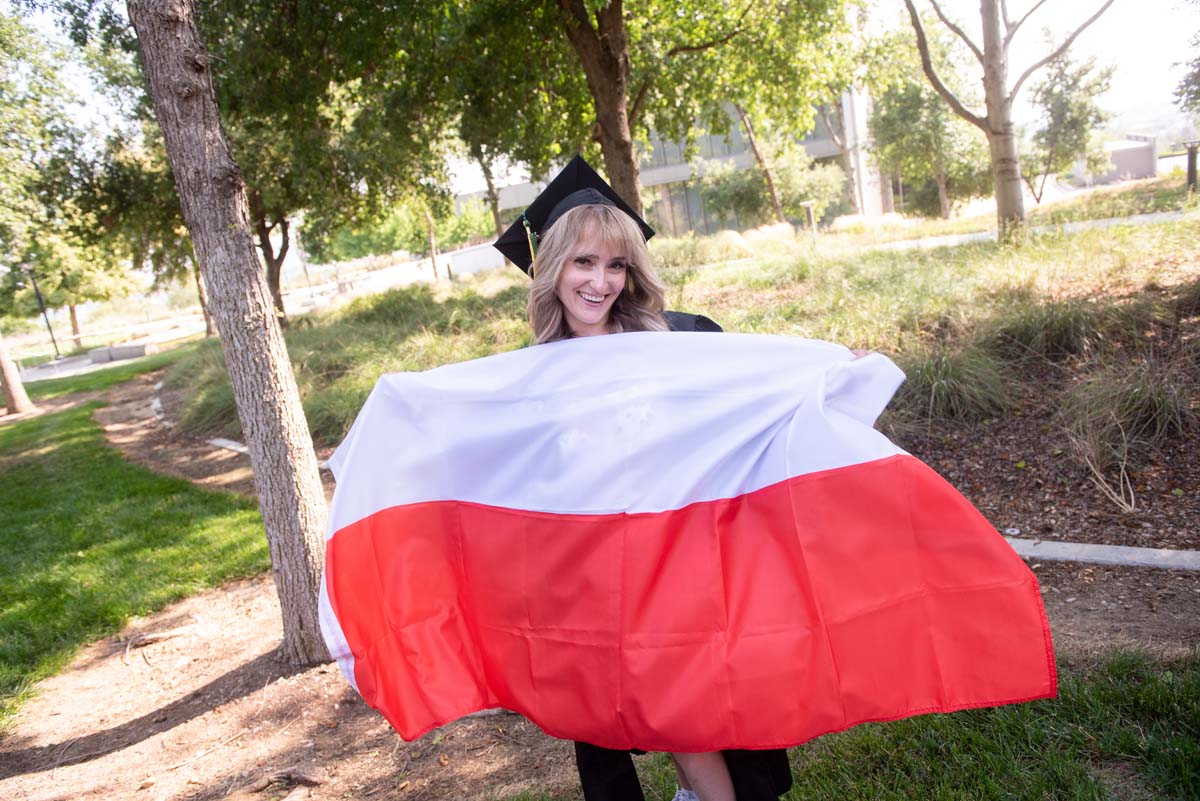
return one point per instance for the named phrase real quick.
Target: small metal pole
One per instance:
(812, 218)
(46, 317)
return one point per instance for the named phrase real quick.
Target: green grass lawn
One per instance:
(88, 540)
(1166, 193)
(106, 377)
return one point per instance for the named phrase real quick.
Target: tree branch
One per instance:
(931, 73)
(1011, 29)
(959, 32)
(636, 107)
(1004, 14)
(838, 138)
(1058, 52)
(696, 48)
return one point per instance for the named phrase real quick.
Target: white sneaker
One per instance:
(685, 795)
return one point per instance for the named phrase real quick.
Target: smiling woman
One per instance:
(592, 276)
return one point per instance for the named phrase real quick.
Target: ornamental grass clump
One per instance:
(1128, 404)
(945, 383)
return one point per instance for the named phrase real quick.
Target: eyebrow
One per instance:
(594, 257)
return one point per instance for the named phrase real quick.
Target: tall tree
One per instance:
(1187, 94)
(38, 223)
(350, 132)
(1066, 101)
(518, 94)
(212, 194)
(33, 119)
(916, 136)
(654, 66)
(777, 76)
(996, 121)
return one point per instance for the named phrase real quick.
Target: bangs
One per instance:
(613, 228)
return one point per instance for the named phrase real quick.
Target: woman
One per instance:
(475, 562)
(592, 276)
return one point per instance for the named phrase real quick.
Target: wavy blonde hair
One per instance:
(639, 307)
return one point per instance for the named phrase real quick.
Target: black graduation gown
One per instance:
(608, 775)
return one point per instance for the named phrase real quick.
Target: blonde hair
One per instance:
(639, 307)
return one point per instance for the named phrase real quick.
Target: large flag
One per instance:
(665, 541)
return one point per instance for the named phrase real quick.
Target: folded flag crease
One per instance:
(671, 542)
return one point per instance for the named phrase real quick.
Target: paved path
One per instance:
(950, 240)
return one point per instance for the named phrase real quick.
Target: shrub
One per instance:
(1123, 405)
(1054, 330)
(948, 384)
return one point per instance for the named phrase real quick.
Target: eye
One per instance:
(584, 260)
(616, 265)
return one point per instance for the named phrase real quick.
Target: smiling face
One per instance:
(592, 277)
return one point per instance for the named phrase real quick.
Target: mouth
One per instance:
(588, 297)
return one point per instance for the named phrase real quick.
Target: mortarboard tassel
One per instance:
(532, 242)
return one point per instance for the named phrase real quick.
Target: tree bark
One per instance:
(603, 51)
(274, 261)
(202, 296)
(212, 194)
(16, 400)
(76, 335)
(762, 163)
(1002, 140)
(943, 195)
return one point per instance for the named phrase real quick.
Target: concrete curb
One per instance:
(1120, 555)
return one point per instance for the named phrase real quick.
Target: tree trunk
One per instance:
(76, 335)
(943, 195)
(604, 54)
(202, 296)
(432, 235)
(273, 260)
(1002, 141)
(493, 195)
(212, 194)
(835, 124)
(762, 163)
(1006, 177)
(16, 401)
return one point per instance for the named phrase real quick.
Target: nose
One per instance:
(596, 279)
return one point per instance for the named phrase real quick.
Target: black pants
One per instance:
(608, 775)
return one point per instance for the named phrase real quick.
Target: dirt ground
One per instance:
(207, 712)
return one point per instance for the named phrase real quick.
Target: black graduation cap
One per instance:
(577, 185)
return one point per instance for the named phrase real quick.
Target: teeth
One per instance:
(592, 298)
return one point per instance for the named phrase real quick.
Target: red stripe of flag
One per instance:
(869, 592)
